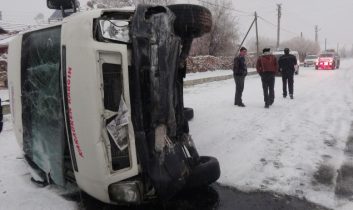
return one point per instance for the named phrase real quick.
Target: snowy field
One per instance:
(277, 149)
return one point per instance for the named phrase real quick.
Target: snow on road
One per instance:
(277, 149)
(17, 192)
(281, 148)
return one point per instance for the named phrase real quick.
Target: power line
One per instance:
(217, 5)
(248, 14)
(274, 25)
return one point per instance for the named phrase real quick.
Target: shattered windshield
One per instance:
(43, 127)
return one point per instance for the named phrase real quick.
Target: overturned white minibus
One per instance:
(97, 100)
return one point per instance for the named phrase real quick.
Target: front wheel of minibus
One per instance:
(205, 173)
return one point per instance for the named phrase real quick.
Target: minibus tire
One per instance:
(188, 113)
(191, 20)
(207, 172)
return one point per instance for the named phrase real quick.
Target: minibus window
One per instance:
(112, 79)
(113, 100)
(42, 111)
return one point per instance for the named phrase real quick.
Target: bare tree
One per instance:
(154, 2)
(222, 40)
(300, 44)
(39, 18)
(124, 3)
(264, 42)
(350, 52)
(201, 46)
(108, 3)
(343, 52)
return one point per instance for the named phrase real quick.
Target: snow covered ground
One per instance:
(277, 149)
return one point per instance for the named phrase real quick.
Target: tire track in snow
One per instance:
(277, 149)
(321, 118)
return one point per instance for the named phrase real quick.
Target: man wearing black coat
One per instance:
(240, 71)
(287, 64)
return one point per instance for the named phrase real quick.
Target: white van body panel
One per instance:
(86, 107)
(85, 92)
(14, 86)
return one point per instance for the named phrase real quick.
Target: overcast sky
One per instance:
(332, 16)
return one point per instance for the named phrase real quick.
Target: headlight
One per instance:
(115, 30)
(126, 192)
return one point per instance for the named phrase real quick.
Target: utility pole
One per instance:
(257, 36)
(247, 33)
(316, 33)
(325, 43)
(279, 13)
(0, 15)
(338, 45)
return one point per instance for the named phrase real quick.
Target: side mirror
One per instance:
(62, 4)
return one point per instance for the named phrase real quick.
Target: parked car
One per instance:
(310, 60)
(328, 60)
(97, 100)
(279, 53)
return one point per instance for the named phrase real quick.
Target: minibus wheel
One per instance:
(191, 20)
(205, 173)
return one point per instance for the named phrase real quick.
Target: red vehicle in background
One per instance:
(328, 60)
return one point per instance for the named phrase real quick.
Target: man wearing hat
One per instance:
(240, 71)
(287, 64)
(266, 66)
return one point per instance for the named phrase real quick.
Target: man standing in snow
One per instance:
(266, 66)
(240, 71)
(287, 64)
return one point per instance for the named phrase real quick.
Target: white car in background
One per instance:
(310, 60)
(279, 53)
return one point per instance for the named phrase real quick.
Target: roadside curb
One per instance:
(189, 83)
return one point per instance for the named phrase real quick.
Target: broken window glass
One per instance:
(117, 124)
(42, 112)
(118, 127)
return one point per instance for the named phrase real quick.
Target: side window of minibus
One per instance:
(113, 88)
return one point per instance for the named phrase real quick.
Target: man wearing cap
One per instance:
(287, 64)
(266, 66)
(240, 71)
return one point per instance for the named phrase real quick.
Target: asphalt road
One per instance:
(215, 197)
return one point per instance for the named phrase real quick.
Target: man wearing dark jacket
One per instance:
(266, 66)
(240, 71)
(287, 64)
